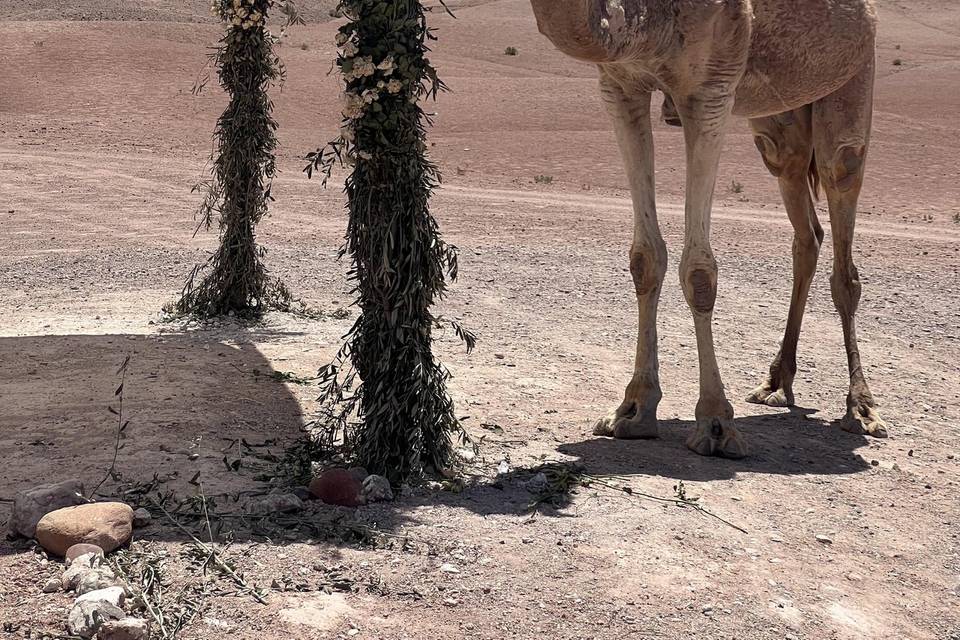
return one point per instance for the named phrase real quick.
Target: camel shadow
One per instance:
(790, 443)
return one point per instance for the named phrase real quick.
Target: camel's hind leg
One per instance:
(841, 136)
(786, 144)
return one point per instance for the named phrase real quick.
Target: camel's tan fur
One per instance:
(802, 71)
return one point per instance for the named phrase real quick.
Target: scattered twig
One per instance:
(121, 425)
(214, 558)
(681, 500)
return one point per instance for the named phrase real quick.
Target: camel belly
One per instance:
(803, 50)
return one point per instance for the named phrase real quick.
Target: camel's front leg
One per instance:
(704, 119)
(636, 417)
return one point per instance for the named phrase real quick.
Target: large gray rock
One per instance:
(87, 617)
(30, 505)
(126, 629)
(108, 525)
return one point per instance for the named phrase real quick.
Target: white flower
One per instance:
(394, 86)
(359, 68)
(387, 66)
(353, 105)
(367, 68)
(370, 95)
(350, 50)
(342, 38)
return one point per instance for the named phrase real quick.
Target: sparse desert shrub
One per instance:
(510, 51)
(736, 186)
(541, 179)
(956, 218)
(897, 62)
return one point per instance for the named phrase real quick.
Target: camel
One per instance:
(802, 72)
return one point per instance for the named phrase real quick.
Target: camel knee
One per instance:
(847, 170)
(699, 282)
(648, 264)
(785, 151)
(769, 153)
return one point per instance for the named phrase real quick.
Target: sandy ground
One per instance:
(100, 141)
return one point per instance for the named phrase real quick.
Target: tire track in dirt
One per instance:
(772, 217)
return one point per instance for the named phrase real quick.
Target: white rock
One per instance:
(113, 595)
(446, 567)
(824, 539)
(94, 579)
(376, 489)
(86, 617)
(80, 565)
(125, 629)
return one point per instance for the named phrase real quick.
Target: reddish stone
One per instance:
(339, 487)
(108, 525)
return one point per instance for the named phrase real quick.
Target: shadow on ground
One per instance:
(787, 444)
(207, 411)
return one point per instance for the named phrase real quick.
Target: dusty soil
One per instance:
(100, 141)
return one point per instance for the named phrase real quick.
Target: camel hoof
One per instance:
(772, 398)
(628, 425)
(717, 437)
(864, 420)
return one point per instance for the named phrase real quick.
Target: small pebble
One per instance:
(446, 567)
(52, 585)
(824, 539)
(141, 518)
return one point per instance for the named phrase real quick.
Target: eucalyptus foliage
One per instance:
(385, 393)
(234, 278)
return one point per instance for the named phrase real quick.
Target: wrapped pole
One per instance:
(234, 279)
(385, 393)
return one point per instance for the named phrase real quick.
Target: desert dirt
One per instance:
(100, 142)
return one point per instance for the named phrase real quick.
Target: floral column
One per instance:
(234, 279)
(386, 393)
